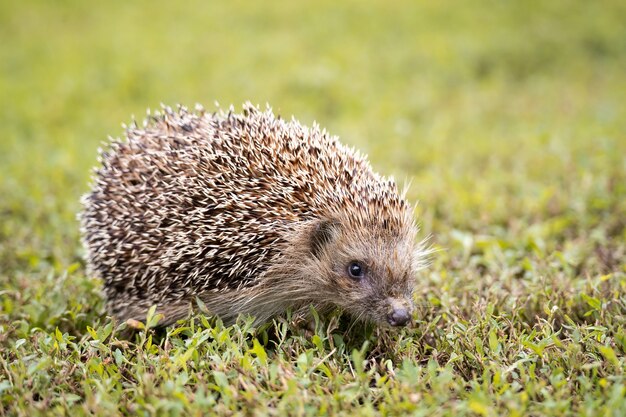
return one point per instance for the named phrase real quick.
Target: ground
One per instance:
(506, 119)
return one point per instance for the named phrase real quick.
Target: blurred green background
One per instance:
(507, 118)
(495, 111)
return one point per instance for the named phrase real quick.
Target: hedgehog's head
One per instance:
(368, 270)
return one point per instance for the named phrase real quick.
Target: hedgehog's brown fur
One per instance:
(250, 214)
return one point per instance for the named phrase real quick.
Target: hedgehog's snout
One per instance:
(399, 312)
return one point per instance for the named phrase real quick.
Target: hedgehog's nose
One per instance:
(399, 316)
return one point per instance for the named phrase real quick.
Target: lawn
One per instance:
(507, 119)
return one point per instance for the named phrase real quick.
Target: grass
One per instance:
(508, 119)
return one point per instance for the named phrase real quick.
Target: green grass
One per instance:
(508, 119)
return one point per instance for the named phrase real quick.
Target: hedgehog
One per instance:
(247, 214)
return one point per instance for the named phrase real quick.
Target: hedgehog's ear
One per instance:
(323, 232)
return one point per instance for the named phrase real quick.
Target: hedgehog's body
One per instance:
(251, 214)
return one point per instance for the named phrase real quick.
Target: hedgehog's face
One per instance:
(369, 272)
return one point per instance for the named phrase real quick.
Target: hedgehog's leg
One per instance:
(137, 309)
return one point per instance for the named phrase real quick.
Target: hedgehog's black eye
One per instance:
(356, 270)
